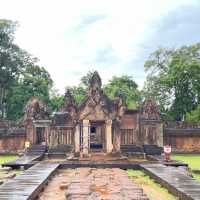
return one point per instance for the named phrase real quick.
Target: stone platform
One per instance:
(27, 185)
(101, 160)
(177, 182)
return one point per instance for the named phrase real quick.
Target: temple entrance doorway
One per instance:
(97, 136)
(40, 131)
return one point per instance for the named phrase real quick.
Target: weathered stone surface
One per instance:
(6, 168)
(184, 170)
(92, 184)
(12, 175)
(178, 183)
(105, 184)
(64, 186)
(36, 109)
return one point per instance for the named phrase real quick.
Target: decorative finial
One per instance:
(95, 81)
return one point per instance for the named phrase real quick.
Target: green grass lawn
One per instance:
(7, 158)
(4, 159)
(192, 160)
(153, 190)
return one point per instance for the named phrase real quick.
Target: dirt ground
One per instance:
(92, 184)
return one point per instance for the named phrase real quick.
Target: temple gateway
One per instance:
(96, 124)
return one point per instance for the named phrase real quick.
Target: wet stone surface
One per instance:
(92, 184)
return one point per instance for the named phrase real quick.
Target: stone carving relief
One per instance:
(98, 104)
(150, 110)
(69, 105)
(36, 109)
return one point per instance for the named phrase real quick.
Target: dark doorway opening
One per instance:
(40, 135)
(96, 143)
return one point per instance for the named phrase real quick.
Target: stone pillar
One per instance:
(108, 137)
(34, 136)
(160, 134)
(77, 140)
(86, 124)
(117, 139)
(48, 136)
(30, 133)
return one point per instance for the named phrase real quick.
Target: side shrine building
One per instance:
(96, 124)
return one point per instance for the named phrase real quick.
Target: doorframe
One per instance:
(41, 124)
(84, 137)
(96, 124)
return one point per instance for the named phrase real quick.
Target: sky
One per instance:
(114, 37)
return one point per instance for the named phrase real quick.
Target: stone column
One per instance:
(30, 133)
(34, 136)
(160, 134)
(77, 140)
(108, 137)
(117, 139)
(48, 135)
(86, 124)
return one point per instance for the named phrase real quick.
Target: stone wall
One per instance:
(12, 136)
(139, 131)
(12, 143)
(151, 132)
(58, 136)
(129, 128)
(183, 140)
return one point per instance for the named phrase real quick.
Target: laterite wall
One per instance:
(12, 143)
(183, 140)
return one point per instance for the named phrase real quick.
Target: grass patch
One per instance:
(196, 176)
(153, 190)
(3, 173)
(7, 158)
(193, 160)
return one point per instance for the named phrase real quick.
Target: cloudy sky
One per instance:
(114, 37)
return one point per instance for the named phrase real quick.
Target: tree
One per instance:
(38, 81)
(12, 61)
(194, 115)
(78, 92)
(34, 81)
(124, 87)
(174, 79)
(85, 80)
(56, 100)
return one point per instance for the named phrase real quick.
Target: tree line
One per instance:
(173, 81)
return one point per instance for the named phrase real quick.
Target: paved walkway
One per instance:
(92, 184)
(30, 158)
(27, 185)
(180, 184)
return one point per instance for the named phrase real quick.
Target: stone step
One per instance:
(152, 149)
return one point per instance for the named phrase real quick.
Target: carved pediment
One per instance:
(97, 105)
(36, 109)
(69, 105)
(150, 110)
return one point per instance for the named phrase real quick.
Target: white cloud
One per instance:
(67, 36)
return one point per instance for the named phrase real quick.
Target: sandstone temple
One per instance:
(97, 124)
